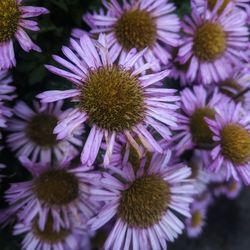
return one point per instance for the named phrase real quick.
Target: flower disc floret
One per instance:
(196, 219)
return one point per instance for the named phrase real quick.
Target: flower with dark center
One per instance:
(196, 105)
(51, 237)
(142, 201)
(34, 136)
(139, 25)
(196, 222)
(231, 135)
(213, 43)
(60, 192)
(114, 98)
(13, 21)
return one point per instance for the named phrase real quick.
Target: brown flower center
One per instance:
(9, 18)
(40, 130)
(56, 187)
(144, 203)
(135, 29)
(196, 219)
(48, 235)
(235, 143)
(209, 42)
(113, 99)
(201, 134)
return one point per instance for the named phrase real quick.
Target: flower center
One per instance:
(113, 99)
(201, 134)
(209, 42)
(9, 18)
(40, 130)
(135, 29)
(49, 235)
(144, 203)
(235, 143)
(196, 219)
(232, 186)
(56, 187)
(212, 3)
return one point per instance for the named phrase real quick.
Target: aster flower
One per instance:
(32, 132)
(51, 238)
(5, 95)
(144, 203)
(238, 5)
(231, 189)
(196, 223)
(142, 24)
(196, 104)
(61, 192)
(14, 18)
(212, 42)
(231, 136)
(113, 98)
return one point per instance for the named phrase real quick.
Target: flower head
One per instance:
(193, 130)
(13, 20)
(212, 43)
(139, 24)
(60, 192)
(145, 203)
(114, 98)
(32, 132)
(231, 136)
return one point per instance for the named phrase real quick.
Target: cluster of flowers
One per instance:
(152, 152)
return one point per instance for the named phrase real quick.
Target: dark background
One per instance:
(228, 221)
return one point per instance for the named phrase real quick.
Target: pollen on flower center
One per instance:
(113, 99)
(209, 42)
(49, 235)
(56, 187)
(235, 143)
(40, 130)
(135, 29)
(9, 18)
(212, 3)
(144, 203)
(201, 134)
(196, 219)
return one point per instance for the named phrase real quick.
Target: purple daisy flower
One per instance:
(52, 238)
(5, 95)
(231, 189)
(196, 223)
(193, 131)
(60, 192)
(231, 136)
(211, 4)
(14, 18)
(212, 42)
(141, 24)
(32, 133)
(114, 98)
(144, 203)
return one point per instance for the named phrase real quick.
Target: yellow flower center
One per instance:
(56, 187)
(135, 29)
(113, 99)
(201, 134)
(48, 235)
(40, 130)
(210, 42)
(196, 219)
(9, 18)
(144, 203)
(235, 143)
